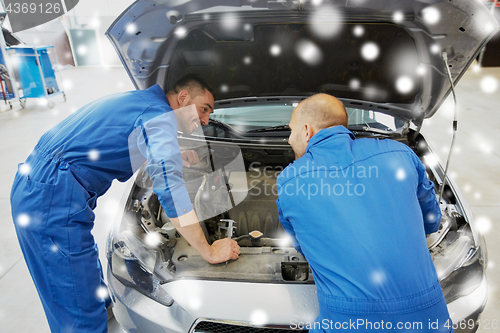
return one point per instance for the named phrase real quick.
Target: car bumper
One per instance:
(236, 304)
(136, 312)
(466, 310)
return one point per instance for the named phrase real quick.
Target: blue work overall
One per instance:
(56, 188)
(358, 210)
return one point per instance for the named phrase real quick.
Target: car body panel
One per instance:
(252, 304)
(469, 307)
(134, 311)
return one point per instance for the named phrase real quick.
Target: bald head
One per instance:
(321, 111)
(311, 116)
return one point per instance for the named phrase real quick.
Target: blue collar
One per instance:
(159, 91)
(327, 133)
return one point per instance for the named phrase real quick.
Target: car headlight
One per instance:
(135, 264)
(459, 262)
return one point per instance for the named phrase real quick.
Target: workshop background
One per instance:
(88, 68)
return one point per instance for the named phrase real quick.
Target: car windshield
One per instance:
(259, 117)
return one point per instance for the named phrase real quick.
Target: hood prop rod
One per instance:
(417, 131)
(455, 123)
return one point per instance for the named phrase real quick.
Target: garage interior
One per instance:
(87, 75)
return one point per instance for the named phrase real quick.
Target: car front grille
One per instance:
(217, 327)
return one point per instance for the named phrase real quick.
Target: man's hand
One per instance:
(189, 158)
(223, 250)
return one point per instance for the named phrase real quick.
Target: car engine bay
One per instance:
(266, 253)
(239, 203)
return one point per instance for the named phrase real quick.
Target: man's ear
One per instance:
(183, 97)
(309, 131)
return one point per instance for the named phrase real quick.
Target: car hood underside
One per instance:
(387, 52)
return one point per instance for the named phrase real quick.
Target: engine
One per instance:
(232, 200)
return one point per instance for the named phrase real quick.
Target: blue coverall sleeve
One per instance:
(157, 141)
(288, 228)
(427, 198)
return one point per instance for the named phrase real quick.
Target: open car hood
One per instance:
(386, 52)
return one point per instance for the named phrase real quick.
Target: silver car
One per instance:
(389, 62)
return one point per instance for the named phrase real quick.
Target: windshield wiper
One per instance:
(271, 129)
(371, 130)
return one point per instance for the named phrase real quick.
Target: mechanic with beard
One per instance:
(359, 210)
(74, 163)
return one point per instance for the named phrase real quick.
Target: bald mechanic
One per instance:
(359, 210)
(55, 192)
